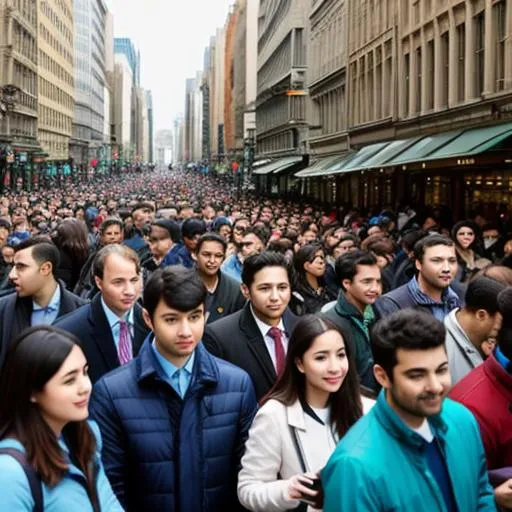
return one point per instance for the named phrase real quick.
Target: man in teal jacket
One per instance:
(415, 450)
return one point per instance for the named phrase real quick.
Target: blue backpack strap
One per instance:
(34, 482)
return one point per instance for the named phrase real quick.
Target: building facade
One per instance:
(90, 81)
(282, 103)
(122, 107)
(18, 67)
(125, 46)
(151, 136)
(56, 77)
(218, 96)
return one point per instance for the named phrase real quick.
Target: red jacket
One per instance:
(487, 393)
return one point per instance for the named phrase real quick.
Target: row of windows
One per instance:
(278, 64)
(368, 19)
(28, 9)
(23, 126)
(25, 78)
(62, 5)
(24, 42)
(277, 142)
(331, 111)
(52, 92)
(52, 120)
(55, 44)
(47, 63)
(274, 113)
(57, 20)
(57, 147)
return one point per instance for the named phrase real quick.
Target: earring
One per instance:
(33, 399)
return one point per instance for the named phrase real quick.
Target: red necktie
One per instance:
(276, 335)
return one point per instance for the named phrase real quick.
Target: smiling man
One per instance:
(430, 444)
(360, 278)
(174, 421)
(429, 290)
(223, 295)
(256, 337)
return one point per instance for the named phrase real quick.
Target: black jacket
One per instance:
(90, 325)
(226, 299)
(238, 340)
(16, 312)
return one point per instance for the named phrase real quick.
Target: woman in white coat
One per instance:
(313, 404)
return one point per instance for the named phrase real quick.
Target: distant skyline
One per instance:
(171, 40)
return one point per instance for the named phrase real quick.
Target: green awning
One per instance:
(387, 153)
(278, 165)
(319, 166)
(358, 160)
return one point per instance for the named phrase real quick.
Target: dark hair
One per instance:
(346, 406)
(179, 287)
(111, 221)
(380, 245)
(346, 265)
(471, 224)
(71, 238)
(171, 226)
(421, 246)
(497, 272)
(407, 329)
(34, 358)
(505, 335)
(260, 231)
(482, 293)
(306, 254)
(142, 206)
(410, 238)
(257, 262)
(212, 237)
(192, 227)
(43, 250)
(98, 264)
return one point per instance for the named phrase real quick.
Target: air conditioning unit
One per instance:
(298, 78)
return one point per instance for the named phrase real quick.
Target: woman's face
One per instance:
(325, 366)
(465, 237)
(317, 266)
(65, 397)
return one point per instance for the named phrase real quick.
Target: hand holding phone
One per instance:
(306, 488)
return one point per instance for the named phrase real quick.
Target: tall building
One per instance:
(122, 107)
(229, 80)
(90, 80)
(217, 97)
(206, 95)
(177, 143)
(281, 105)
(125, 46)
(164, 147)
(56, 76)
(18, 67)
(151, 136)
(193, 122)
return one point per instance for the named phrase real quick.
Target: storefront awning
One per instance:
(358, 160)
(278, 165)
(319, 166)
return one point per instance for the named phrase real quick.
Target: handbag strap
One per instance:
(34, 481)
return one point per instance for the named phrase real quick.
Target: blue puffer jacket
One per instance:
(164, 453)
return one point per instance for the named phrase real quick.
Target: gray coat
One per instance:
(462, 354)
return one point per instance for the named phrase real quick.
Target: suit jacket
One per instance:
(238, 340)
(16, 313)
(90, 325)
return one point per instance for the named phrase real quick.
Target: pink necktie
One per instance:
(125, 343)
(276, 335)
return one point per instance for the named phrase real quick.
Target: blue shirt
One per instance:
(179, 378)
(47, 315)
(232, 266)
(502, 359)
(113, 321)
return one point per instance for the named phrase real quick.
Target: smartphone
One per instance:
(314, 501)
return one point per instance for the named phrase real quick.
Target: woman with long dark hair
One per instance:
(313, 404)
(310, 290)
(49, 453)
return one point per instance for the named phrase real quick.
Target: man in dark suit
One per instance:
(111, 328)
(38, 298)
(256, 337)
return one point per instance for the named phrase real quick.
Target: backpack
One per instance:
(34, 482)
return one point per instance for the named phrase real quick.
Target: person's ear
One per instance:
(381, 376)
(417, 264)
(245, 291)
(194, 256)
(99, 283)
(46, 268)
(345, 284)
(482, 315)
(147, 318)
(299, 364)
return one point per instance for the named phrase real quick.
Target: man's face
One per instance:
(28, 275)
(438, 267)
(375, 230)
(421, 381)
(366, 286)
(191, 243)
(141, 217)
(209, 258)
(4, 233)
(208, 213)
(250, 245)
(121, 284)
(239, 230)
(8, 254)
(269, 293)
(177, 333)
(112, 235)
(308, 237)
(160, 242)
(186, 213)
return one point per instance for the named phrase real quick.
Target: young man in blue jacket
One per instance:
(416, 450)
(175, 419)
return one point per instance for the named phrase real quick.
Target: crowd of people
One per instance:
(166, 345)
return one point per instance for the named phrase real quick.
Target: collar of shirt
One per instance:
(53, 305)
(263, 327)
(113, 319)
(501, 358)
(168, 368)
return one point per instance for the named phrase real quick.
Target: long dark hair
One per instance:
(346, 405)
(35, 357)
(306, 254)
(71, 238)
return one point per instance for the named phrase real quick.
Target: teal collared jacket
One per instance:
(380, 465)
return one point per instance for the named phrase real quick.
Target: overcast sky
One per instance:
(171, 36)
